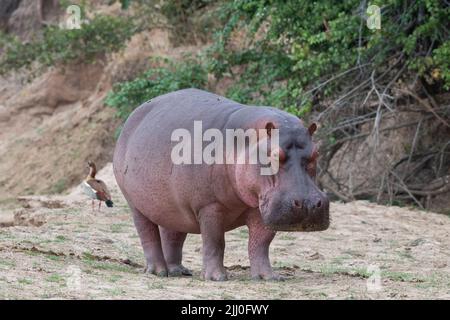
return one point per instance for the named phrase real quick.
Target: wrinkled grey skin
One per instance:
(168, 201)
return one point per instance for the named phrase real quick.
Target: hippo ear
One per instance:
(269, 127)
(312, 128)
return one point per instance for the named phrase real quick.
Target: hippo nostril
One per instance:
(319, 204)
(297, 203)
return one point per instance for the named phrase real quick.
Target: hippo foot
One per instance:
(159, 272)
(179, 271)
(271, 276)
(218, 275)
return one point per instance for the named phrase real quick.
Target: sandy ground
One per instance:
(59, 249)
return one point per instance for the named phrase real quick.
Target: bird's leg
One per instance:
(93, 205)
(99, 204)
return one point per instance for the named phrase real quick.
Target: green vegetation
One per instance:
(155, 285)
(54, 257)
(24, 281)
(118, 227)
(401, 276)
(114, 278)
(325, 45)
(297, 53)
(6, 263)
(56, 278)
(93, 262)
(60, 238)
(168, 77)
(110, 266)
(102, 35)
(243, 233)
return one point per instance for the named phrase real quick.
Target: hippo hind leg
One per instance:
(151, 243)
(172, 245)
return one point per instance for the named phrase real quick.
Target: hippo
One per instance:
(169, 200)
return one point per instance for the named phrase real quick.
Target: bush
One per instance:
(302, 44)
(103, 34)
(126, 96)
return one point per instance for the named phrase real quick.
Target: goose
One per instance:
(96, 189)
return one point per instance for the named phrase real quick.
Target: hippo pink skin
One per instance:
(168, 201)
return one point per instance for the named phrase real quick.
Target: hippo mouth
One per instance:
(282, 218)
(302, 227)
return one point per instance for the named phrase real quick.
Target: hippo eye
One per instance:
(311, 167)
(305, 162)
(308, 164)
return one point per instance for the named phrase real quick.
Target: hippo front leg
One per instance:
(213, 237)
(260, 237)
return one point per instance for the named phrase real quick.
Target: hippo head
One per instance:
(290, 200)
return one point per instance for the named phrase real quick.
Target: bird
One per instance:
(96, 189)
